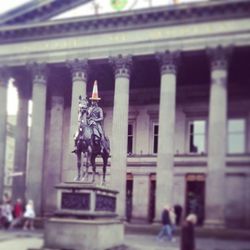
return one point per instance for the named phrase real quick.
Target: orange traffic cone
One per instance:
(95, 96)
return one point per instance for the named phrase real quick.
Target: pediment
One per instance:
(43, 10)
(37, 11)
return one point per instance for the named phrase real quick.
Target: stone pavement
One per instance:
(23, 240)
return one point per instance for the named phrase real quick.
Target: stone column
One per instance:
(21, 138)
(52, 173)
(122, 66)
(141, 190)
(79, 69)
(247, 201)
(167, 109)
(36, 145)
(217, 139)
(4, 77)
(248, 133)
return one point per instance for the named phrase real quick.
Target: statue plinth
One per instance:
(86, 201)
(85, 218)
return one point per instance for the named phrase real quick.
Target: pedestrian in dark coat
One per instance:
(187, 233)
(178, 212)
(166, 225)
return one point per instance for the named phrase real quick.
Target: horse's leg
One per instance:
(84, 171)
(87, 165)
(77, 178)
(105, 163)
(92, 159)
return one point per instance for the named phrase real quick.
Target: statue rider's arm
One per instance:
(100, 118)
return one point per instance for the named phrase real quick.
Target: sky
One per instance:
(12, 100)
(8, 5)
(87, 9)
(104, 6)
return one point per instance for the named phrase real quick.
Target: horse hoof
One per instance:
(77, 178)
(83, 179)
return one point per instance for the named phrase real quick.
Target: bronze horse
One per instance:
(89, 146)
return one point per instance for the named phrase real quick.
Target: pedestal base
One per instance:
(214, 224)
(66, 233)
(84, 219)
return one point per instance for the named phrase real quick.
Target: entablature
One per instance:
(140, 19)
(143, 32)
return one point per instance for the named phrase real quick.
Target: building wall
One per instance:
(141, 40)
(143, 163)
(235, 204)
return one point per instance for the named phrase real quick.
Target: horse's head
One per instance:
(83, 104)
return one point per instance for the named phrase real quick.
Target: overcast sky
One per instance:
(104, 6)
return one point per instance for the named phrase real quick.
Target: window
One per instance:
(130, 139)
(155, 138)
(197, 136)
(236, 136)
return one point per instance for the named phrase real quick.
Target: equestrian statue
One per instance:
(90, 139)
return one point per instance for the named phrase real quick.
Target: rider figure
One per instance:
(95, 117)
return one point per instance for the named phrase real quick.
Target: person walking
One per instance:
(29, 216)
(172, 217)
(178, 212)
(18, 213)
(6, 213)
(187, 233)
(166, 225)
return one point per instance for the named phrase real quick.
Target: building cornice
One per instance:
(156, 17)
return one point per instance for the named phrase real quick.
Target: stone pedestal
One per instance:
(85, 219)
(85, 201)
(68, 233)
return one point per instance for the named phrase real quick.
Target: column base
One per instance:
(214, 224)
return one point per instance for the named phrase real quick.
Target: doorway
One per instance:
(151, 212)
(195, 196)
(129, 196)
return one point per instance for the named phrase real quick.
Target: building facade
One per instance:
(175, 91)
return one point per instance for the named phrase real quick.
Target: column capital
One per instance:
(79, 68)
(39, 72)
(168, 61)
(219, 57)
(4, 75)
(122, 65)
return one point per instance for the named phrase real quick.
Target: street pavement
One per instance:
(23, 240)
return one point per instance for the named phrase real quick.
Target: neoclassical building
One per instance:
(175, 89)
